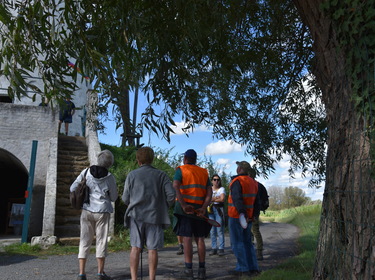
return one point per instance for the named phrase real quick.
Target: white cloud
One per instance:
(180, 125)
(223, 161)
(284, 163)
(222, 147)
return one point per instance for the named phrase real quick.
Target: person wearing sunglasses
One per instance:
(217, 213)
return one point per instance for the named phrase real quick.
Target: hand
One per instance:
(200, 212)
(188, 209)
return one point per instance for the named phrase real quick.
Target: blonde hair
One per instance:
(145, 155)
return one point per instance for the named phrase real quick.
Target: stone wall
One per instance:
(20, 125)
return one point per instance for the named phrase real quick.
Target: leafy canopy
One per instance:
(239, 67)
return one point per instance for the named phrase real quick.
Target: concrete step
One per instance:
(67, 156)
(71, 219)
(67, 231)
(72, 159)
(74, 167)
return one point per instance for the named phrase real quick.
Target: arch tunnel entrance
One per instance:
(13, 184)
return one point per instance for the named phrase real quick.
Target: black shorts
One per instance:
(190, 227)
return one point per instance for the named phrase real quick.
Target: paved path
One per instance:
(279, 244)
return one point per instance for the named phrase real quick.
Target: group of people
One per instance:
(149, 193)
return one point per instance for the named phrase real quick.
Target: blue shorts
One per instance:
(65, 117)
(190, 227)
(146, 234)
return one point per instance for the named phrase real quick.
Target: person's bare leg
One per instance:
(180, 239)
(201, 249)
(100, 262)
(188, 249)
(59, 126)
(134, 262)
(82, 266)
(152, 263)
(66, 128)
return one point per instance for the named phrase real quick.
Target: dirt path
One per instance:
(279, 244)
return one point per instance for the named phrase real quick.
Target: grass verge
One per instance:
(300, 267)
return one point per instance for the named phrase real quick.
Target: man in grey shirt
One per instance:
(148, 193)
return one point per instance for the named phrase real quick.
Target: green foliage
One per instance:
(22, 248)
(121, 240)
(125, 162)
(239, 67)
(36, 250)
(294, 196)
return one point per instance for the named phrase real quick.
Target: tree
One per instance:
(293, 197)
(284, 198)
(238, 67)
(195, 59)
(275, 197)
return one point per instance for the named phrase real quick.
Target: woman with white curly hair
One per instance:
(96, 213)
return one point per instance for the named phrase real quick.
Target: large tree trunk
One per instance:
(346, 248)
(124, 107)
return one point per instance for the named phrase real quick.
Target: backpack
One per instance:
(263, 195)
(81, 194)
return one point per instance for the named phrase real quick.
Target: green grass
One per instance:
(36, 250)
(300, 267)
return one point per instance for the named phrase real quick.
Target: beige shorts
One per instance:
(93, 224)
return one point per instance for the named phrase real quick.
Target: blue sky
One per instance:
(223, 153)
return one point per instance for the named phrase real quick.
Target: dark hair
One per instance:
(252, 173)
(216, 175)
(191, 156)
(191, 160)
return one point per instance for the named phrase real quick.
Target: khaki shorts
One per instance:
(93, 224)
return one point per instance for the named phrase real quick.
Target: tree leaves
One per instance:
(230, 66)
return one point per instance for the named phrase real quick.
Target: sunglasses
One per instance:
(215, 179)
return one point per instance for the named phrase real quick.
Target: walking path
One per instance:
(279, 244)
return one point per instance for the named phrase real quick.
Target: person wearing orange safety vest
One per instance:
(243, 205)
(193, 192)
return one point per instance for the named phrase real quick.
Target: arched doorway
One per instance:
(13, 184)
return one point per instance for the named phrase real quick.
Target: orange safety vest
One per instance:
(194, 181)
(249, 193)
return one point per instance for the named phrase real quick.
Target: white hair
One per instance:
(105, 159)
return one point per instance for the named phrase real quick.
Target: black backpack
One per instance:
(263, 195)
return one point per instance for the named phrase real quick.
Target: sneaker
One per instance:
(103, 276)
(213, 252)
(259, 255)
(187, 273)
(221, 252)
(82, 277)
(202, 273)
(180, 250)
